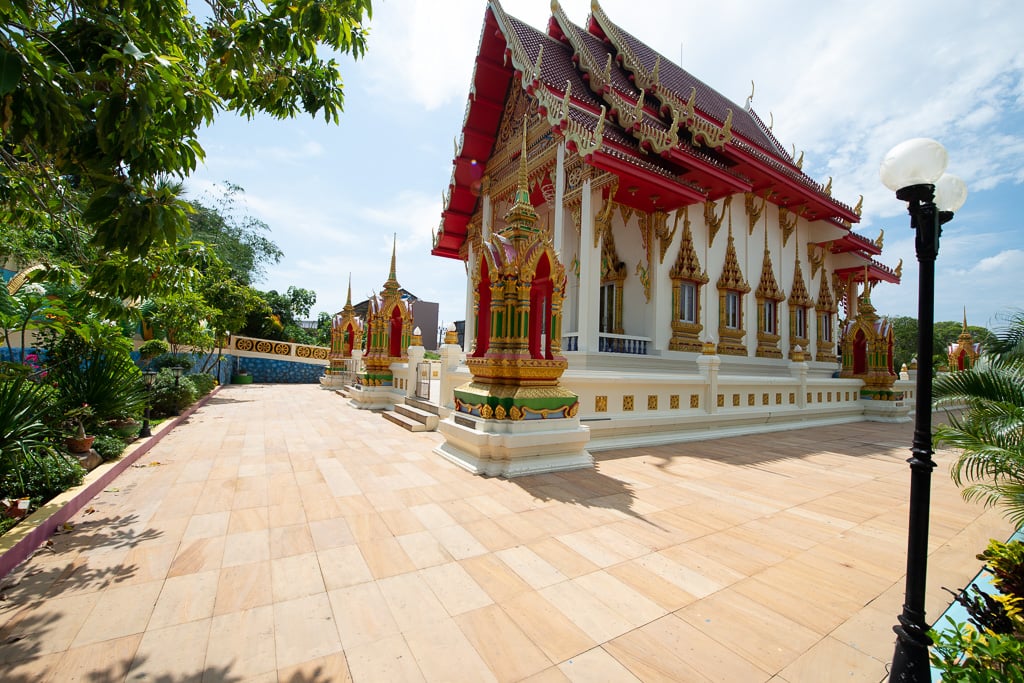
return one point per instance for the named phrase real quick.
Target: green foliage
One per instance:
(1006, 562)
(42, 478)
(25, 435)
(153, 348)
(239, 241)
(964, 654)
(170, 360)
(102, 103)
(904, 331)
(203, 383)
(167, 397)
(106, 379)
(109, 446)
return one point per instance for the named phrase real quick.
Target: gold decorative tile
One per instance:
(819, 397)
(652, 402)
(750, 399)
(778, 398)
(627, 403)
(695, 400)
(735, 400)
(721, 400)
(792, 398)
(764, 399)
(600, 404)
(673, 401)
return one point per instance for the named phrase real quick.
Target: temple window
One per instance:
(733, 311)
(769, 312)
(800, 322)
(688, 302)
(607, 313)
(825, 326)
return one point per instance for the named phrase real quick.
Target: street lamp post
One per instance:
(915, 171)
(148, 376)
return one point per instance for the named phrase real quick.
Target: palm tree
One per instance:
(990, 431)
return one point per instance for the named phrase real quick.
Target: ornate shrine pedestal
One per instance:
(505, 448)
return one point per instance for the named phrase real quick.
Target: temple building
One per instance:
(964, 352)
(705, 272)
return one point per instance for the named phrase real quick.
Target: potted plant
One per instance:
(79, 441)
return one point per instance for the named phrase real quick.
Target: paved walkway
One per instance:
(280, 535)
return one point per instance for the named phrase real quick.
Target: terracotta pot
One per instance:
(77, 444)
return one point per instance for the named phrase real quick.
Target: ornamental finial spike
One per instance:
(348, 299)
(524, 181)
(394, 245)
(965, 319)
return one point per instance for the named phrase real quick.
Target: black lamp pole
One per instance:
(910, 661)
(148, 376)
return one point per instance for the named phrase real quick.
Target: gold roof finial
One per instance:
(524, 180)
(965, 318)
(348, 299)
(750, 97)
(394, 246)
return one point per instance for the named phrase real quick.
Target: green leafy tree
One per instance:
(102, 101)
(240, 242)
(904, 333)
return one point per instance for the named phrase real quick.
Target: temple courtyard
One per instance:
(280, 535)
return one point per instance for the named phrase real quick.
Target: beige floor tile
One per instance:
(626, 602)
(38, 669)
(412, 602)
(455, 588)
(147, 563)
(443, 653)
(495, 577)
(423, 549)
(459, 543)
(332, 668)
(246, 547)
(331, 533)
(241, 644)
(251, 519)
(596, 665)
(554, 633)
(561, 557)
(106, 660)
(385, 557)
(304, 629)
(367, 526)
(296, 576)
(176, 653)
(530, 566)
(432, 516)
(590, 547)
(120, 611)
(285, 515)
(666, 594)
(600, 622)
(243, 587)
(388, 659)
(508, 652)
(362, 615)
(199, 555)
(207, 526)
(840, 660)
(286, 541)
(672, 650)
(401, 521)
(185, 598)
(489, 534)
(726, 613)
(344, 566)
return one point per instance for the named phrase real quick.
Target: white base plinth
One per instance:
(332, 381)
(502, 448)
(373, 398)
(887, 411)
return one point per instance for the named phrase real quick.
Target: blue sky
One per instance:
(842, 81)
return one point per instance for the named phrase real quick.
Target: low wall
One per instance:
(277, 362)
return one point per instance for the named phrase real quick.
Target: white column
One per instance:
(708, 365)
(559, 227)
(661, 293)
(470, 326)
(590, 275)
(487, 219)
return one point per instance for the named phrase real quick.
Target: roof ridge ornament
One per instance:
(750, 97)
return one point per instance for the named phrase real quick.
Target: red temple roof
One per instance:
(672, 140)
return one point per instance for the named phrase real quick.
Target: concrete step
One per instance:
(404, 422)
(425, 406)
(428, 419)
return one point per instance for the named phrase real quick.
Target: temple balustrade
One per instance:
(610, 343)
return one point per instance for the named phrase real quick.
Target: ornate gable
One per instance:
(768, 288)
(732, 274)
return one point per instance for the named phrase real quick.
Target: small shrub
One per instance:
(1006, 562)
(967, 655)
(42, 478)
(109, 446)
(203, 383)
(153, 348)
(169, 360)
(168, 399)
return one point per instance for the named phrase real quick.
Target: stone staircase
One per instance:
(416, 415)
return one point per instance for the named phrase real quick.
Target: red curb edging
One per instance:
(24, 548)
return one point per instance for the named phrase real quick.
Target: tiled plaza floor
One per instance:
(280, 535)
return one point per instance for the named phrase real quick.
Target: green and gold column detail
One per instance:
(517, 376)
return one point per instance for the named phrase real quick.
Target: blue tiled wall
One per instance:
(271, 370)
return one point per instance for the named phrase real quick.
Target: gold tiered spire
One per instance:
(521, 219)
